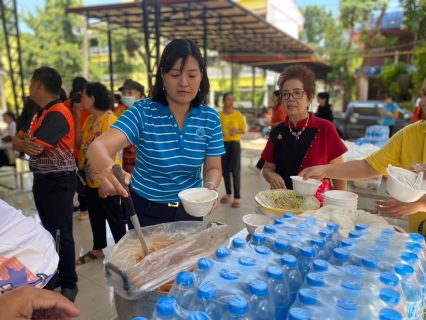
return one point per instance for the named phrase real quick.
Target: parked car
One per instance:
(361, 114)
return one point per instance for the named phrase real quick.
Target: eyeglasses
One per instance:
(295, 95)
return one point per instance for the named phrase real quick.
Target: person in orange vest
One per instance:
(420, 112)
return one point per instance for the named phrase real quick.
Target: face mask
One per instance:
(115, 105)
(128, 101)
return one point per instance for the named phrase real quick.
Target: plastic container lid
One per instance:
(319, 242)
(416, 238)
(377, 251)
(347, 308)
(389, 314)
(258, 288)
(258, 237)
(409, 257)
(282, 244)
(389, 279)
(348, 243)
(139, 318)
(311, 221)
(239, 243)
(308, 296)
(293, 234)
(229, 274)
(333, 227)
(384, 241)
(320, 265)
(308, 252)
(270, 229)
(206, 291)
(185, 279)
(275, 273)
(354, 271)
(361, 227)
(237, 305)
(351, 288)
(341, 254)
(247, 261)
(326, 234)
(288, 260)
(302, 227)
(198, 315)
(315, 279)
(355, 234)
(413, 246)
(279, 221)
(388, 232)
(166, 306)
(205, 264)
(390, 296)
(299, 314)
(263, 250)
(289, 216)
(222, 253)
(370, 262)
(404, 270)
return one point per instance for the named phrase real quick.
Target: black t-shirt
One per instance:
(325, 113)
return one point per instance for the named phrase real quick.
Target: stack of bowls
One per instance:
(343, 199)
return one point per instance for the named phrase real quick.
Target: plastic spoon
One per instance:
(419, 180)
(118, 172)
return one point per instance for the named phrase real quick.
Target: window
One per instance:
(365, 111)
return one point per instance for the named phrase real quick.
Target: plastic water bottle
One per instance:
(279, 291)
(257, 239)
(370, 263)
(223, 255)
(308, 297)
(303, 228)
(354, 272)
(383, 241)
(389, 279)
(237, 309)
(320, 265)
(299, 314)
(205, 301)
(327, 235)
(355, 234)
(319, 245)
(351, 289)
(340, 257)
(412, 259)
(362, 227)
(418, 238)
(346, 309)
(184, 289)
(247, 265)
(389, 314)
(270, 229)
(291, 275)
(263, 253)
(311, 221)
(238, 245)
(166, 310)
(294, 238)
(417, 249)
(280, 222)
(307, 256)
(229, 278)
(289, 216)
(281, 246)
(315, 279)
(204, 269)
(334, 228)
(199, 315)
(412, 291)
(390, 297)
(261, 305)
(140, 318)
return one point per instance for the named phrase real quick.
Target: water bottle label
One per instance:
(414, 310)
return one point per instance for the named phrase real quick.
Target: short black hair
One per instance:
(276, 93)
(62, 95)
(389, 96)
(50, 78)
(226, 94)
(10, 115)
(175, 50)
(78, 84)
(101, 95)
(324, 95)
(118, 98)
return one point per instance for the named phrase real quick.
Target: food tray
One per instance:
(262, 200)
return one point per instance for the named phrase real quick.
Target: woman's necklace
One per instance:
(297, 134)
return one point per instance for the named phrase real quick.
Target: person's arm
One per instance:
(76, 111)
(397, 209)
(22, 143)
(273, 178)
(280, 117)
(382, 112)
(394, 115)
(339, 184)
(212, 174)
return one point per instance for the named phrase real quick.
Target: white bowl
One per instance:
(305, 188)
(259, 229)
(253, 221)
(400, 191)
(347, 206)
(352, 202)
(340, 195)
(192, 200)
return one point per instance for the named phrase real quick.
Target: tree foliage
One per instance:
(415, 17)
(389, 76)
(317, 19)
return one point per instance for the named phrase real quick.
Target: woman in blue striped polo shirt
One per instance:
(175, 136)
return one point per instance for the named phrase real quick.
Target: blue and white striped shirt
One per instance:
(168, 160)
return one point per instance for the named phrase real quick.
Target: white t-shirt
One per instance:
(11, 129)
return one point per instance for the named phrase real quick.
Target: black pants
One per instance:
(83, 201)
(4, 160)
(102, 210)
(391, 130)
(231, 164)
(260, 164)
(150, 213)
(54, 201)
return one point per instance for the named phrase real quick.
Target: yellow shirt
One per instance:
(236, 120)
(92, 130)
(406, 148)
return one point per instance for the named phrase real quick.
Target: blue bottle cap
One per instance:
(416, 238)
(333, 227)
(370, 262)
(377, 251)
(354, 271)
(308, 252)
(258, 288)
(279, 221)
(361, 227)
(319, 242)
(384, 241)
(293, 234)
(263, 250)
(355, 234)
(299, 314)
(341, 254)
(166, 306)
(348, 243)
(270, 229)
(228, 274)
(222, 253)
(308, 296)
(288, 260)
(206, 291)
(347, 308)
(388, 232)
(237, 305)
(326, 234)
(258, 237)
(389, 279)
(311, 221)
(404, 270)
(351, 288)
(185, 279)
(275, 273)
(247, 261)
(413, 247)
(409, 257)
(389, 314)
(315, 279)
(390, 296)
(205, 264)
(198, 315)
(289, 216)
(320, 265)
(140, 318)
(239, 243)
(302, 227)
(282, 244)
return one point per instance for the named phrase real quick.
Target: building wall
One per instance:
(286, 16)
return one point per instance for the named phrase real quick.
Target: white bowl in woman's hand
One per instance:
(305, 188)
(198, 202)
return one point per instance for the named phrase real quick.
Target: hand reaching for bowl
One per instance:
(397, 209)
(277, 182)
(211, 186)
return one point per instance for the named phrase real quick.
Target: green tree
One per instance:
(389, 76)
(317, 19)
(414, 17)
